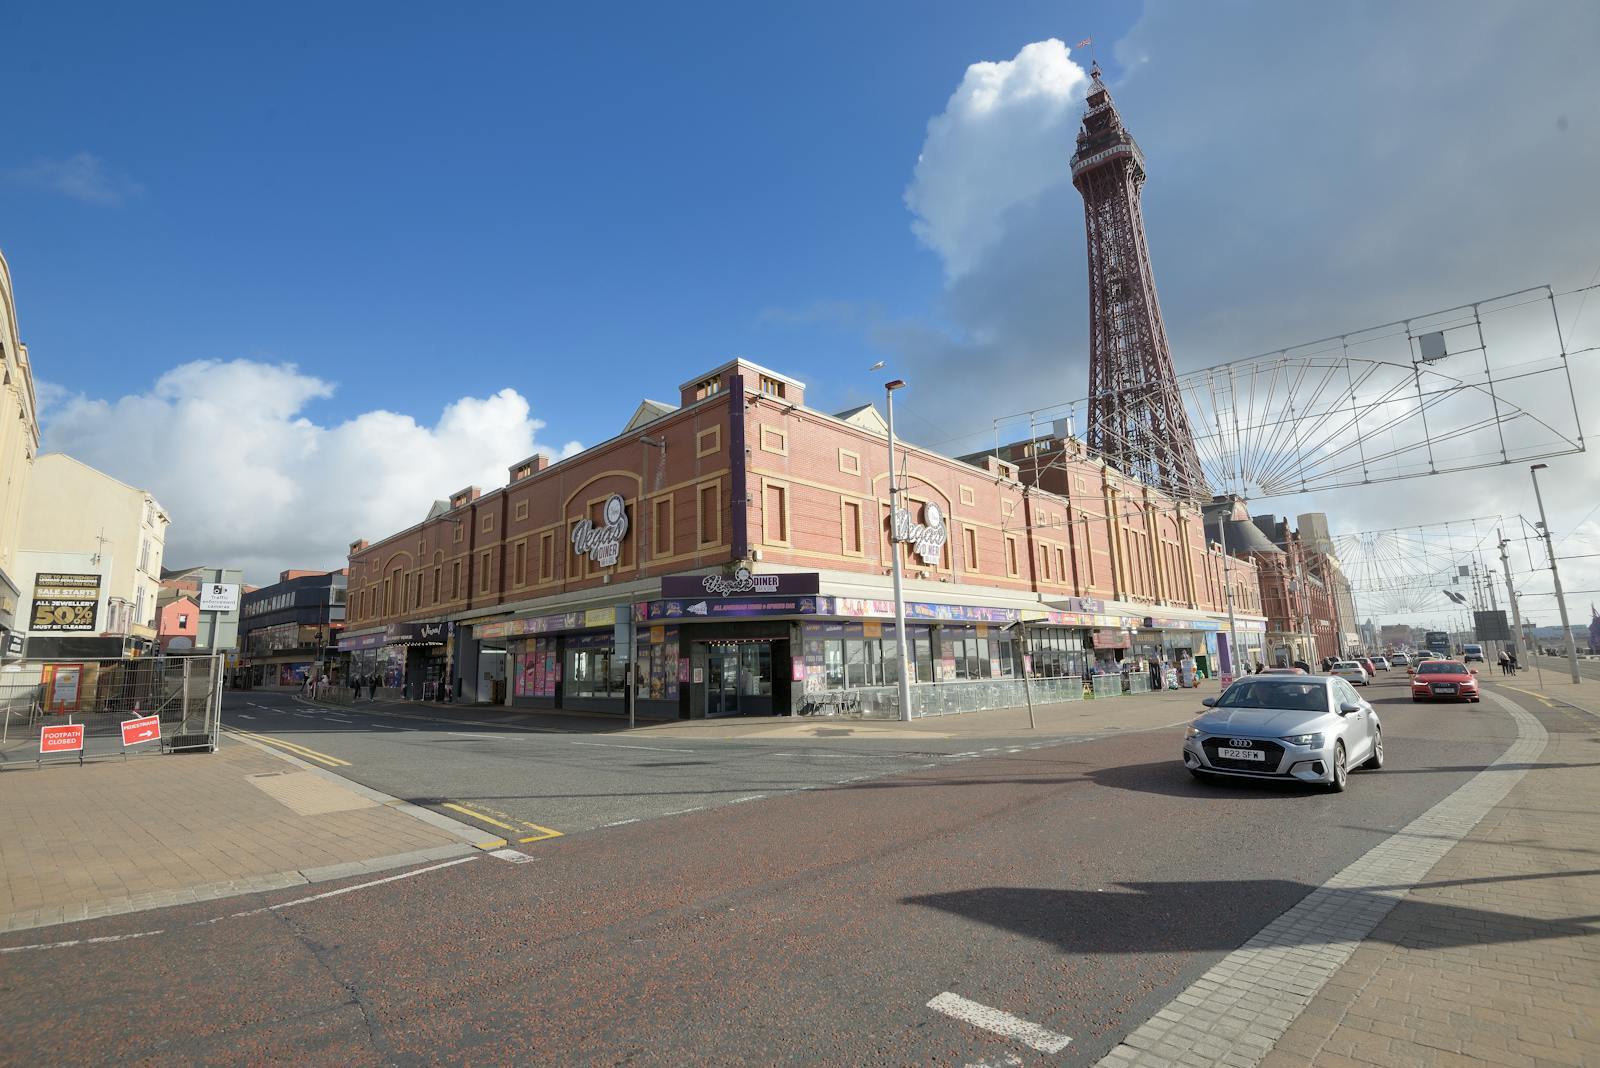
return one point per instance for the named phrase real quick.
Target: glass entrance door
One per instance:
(722, 680)
(739, 678)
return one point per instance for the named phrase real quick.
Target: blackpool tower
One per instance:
(1136, 419)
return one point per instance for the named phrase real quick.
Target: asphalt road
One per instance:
(1079, 886)
(573, 775)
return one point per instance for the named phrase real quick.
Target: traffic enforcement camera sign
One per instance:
(65, 738)
(219, 597)
(143, 729)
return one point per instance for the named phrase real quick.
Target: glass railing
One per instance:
(954, 698)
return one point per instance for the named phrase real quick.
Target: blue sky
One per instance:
(381, 192)
(343, 259)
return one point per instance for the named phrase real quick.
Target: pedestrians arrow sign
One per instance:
(143, 729)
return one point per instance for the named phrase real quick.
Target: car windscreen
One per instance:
(1443, 669)
(1276, 693)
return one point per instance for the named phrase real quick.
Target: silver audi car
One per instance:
(1313, 728)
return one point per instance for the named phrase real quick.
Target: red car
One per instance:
(1444, 680)
(1367, 664)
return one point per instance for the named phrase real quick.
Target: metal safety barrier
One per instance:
(76, 710)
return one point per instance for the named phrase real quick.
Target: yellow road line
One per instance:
(545, 832)
(292, 747)
(478, 815)
(483, 814)
(1531, 693)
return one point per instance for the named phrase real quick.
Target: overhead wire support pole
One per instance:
(1555, 574)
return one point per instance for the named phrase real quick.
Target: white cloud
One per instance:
(1002, 141)
(81, 176)
(249, 480)
(1297, 193)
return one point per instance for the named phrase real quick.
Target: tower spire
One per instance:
(1137, 423)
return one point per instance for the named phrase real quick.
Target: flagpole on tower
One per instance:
(1088, 42)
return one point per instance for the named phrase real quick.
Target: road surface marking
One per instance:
(614, 745)
(514, 856)
(1001, 1023)
(742, 800)
(478, 815)
(292, 747)
(544, 833)
(622, 823)
(81, 941)
(244, 715)
(240, 915)
(357, 886)
(1530, 693)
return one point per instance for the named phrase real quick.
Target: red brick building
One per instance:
(743, 540)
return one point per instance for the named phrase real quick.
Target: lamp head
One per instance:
(1538, 467)
(894, 385)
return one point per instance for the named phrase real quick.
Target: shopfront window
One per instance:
(593, 671)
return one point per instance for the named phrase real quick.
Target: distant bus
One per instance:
(1438, 642)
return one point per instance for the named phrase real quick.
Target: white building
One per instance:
(19, 441)
(90, 562)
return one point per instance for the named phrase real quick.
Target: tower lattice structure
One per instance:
(1137, 423)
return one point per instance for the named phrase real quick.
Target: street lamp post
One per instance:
(1555, 574)
(895, 551)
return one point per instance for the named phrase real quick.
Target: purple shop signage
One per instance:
(954, 613)
(742, 583)
(734, 608)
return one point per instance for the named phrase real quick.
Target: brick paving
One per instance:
(1460, 941)
(113, 837)
(1495, 959)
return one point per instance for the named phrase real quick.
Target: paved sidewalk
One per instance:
(1551, 681)
(113, 837)
(1495, 958)
(1129, 712)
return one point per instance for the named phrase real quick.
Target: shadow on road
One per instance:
(1176, 917)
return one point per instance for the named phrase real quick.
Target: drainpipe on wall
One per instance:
(738, 476)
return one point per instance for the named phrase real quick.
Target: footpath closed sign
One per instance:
(143, 729)
(64, 738)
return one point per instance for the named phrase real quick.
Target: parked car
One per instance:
(1381, 663)
(1472, 651)
(1312, 729)
(1444, 680)
(1351, 671)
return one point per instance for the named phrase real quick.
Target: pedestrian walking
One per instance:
(1505, 663)
(372, 688)
(1512, 662)
(355, 687)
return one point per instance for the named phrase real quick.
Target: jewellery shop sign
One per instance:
(927, 538)
(602, 544)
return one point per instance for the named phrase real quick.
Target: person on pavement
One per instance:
(1505, 663)
(372, 688)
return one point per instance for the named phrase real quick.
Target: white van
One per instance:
(1470, 652)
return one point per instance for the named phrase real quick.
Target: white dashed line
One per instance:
(742, 800)
(999, 1022)
(622, 823)
(615, 745)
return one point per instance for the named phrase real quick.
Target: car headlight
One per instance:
(1193, 732)
(1313, 741)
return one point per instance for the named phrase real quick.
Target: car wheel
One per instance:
(1375, 761)
(1341, 772)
